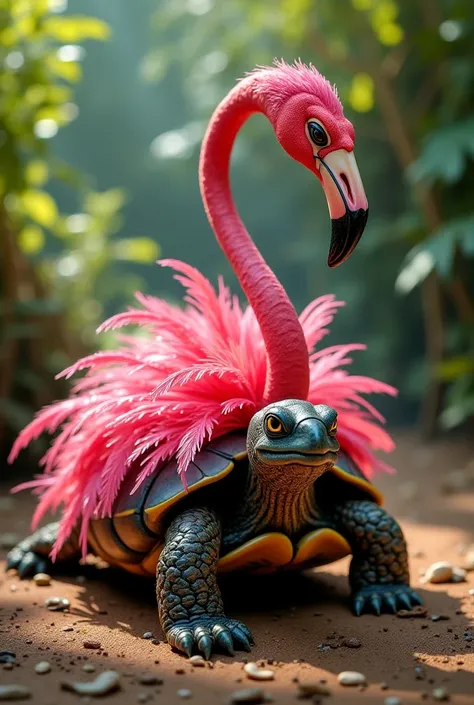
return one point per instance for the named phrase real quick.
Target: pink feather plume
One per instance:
(199, 374)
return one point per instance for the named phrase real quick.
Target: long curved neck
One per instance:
(287, 353)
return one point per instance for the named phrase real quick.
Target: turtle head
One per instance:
(292, 441)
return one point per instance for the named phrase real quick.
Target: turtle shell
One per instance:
(133, 537)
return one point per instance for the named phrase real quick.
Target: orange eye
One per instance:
(333, 427)
(274, 425)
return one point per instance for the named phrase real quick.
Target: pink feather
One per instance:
(199, 374)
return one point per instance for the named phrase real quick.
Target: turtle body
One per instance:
(133, 537)
(280, 498)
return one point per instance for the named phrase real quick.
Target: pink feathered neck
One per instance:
(200, 374)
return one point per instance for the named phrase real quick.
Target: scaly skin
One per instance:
(31, 555)
(189, 600)
(379, 575)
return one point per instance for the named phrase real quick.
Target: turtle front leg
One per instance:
(31, 555)
(379, 574)
(189, 600)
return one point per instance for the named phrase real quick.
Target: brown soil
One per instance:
(293, 620)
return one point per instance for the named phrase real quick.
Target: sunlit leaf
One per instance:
(31, 239)
(456, 366)
(40, 207)
(390, 34)
(71, 70)
(361, 93)
(36, 172)
(75, 28)
(138, 249)
(419, 265)
(106, 203)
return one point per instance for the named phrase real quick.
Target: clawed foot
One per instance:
(385, 598)
(206, 633)
(27, 563)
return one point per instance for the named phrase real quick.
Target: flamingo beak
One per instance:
(347, 203)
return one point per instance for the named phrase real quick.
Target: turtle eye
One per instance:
(274, 426)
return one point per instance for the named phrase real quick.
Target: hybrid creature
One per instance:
(222, 440)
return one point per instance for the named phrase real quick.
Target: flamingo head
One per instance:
(309, 123)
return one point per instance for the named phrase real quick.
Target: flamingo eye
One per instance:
(273, 425)
(317, 134)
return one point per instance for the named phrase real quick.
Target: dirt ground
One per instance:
(299, 622)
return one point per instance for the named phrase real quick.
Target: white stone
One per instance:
(440, 572)
(43, 667)
(351, 678)
(258, 674)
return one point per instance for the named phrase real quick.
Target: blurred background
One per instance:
(102, 110)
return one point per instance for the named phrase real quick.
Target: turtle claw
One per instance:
(242, 639)
(205, 645)
(204, 633)
(391, 602)
(385, 598)
(225, 641)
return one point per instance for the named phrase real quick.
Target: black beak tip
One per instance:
(346, 233)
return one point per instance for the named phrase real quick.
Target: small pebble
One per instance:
(439, 617)
(149, 679)
(7, 657)
(311, 688)
(471, 592)
(418, 611)
(7, 666)
(42, 579)
(14, 692)
(392, 701)
(459, 575)
(143, 697)
(440, 694)
(184, 693)
(43, 667)
(439, 572)
(13, 588)
(197, 661)
(57, 604)
(106, 682)
(258, 674)
(88, 668)
(352, 642)
(148, 635)
(252, 696)
(91, 644)
(351, 678)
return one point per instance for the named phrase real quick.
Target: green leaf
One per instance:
(106, 203)
(40, 207)
(69, 70)
(455, 367)
(36, 172)
(138, 249)
(75, 28)
(445, 153)
(31, 239)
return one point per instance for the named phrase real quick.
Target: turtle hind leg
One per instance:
(189, 601)
(379, 574)
(31, 555)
